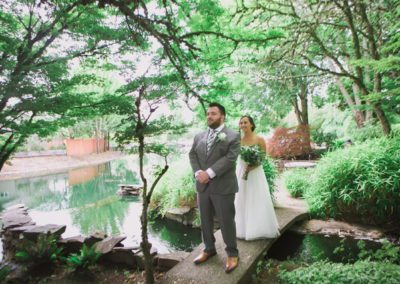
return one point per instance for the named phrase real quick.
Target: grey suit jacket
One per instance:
(221, 159)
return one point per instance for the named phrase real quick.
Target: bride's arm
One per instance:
(261, 143)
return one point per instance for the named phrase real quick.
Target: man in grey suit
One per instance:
(213, 159)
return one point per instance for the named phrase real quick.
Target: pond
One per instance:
(311, 248)
(85, 200)
(292, 251)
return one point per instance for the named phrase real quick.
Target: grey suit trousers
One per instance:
(223, 207)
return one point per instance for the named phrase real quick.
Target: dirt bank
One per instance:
(36, 166)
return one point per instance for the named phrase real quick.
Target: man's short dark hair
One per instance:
(219, 106)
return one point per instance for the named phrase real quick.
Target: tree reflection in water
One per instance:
(85, 200)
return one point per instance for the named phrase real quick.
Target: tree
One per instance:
(142, 99)
(276, 88)
(341, 39)
(39, 40)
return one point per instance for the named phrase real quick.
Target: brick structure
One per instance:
(85, 146)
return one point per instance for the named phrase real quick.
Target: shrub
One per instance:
(318, 136)
(359, 183)
(387, 253)
(86, 258)
(371, 130)
(5, 270)
(43, 250)
(271, 172)
(175, 189)
(289, 142)
(297, 181)
(359, 272)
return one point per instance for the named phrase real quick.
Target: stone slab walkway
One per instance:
(250, 253)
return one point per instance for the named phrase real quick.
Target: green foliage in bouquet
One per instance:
(252, 155)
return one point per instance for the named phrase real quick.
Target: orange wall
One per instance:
(78, 176)
(84, 146)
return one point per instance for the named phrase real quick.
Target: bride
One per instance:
(255, 216)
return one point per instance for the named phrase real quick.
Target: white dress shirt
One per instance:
(210, 171)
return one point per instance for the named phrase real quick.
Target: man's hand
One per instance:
(202, 177)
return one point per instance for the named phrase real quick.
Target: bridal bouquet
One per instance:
(252, 155)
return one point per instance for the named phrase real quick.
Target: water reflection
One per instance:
(85, 200)
(177, 235)
(312, 248)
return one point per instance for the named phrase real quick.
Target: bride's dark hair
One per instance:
(253, 126)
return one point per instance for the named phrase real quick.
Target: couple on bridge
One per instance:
(247, 215)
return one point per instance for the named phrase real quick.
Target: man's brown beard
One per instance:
(215, 124)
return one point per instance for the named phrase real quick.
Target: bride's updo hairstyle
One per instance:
(253, 126)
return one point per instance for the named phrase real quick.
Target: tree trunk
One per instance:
(4, 156)
(145, 245)
(301, 110)
(9, 147)
(304, 104)
(358, 114)
(358, 103)
(382, 119)
(373, 41)
(297, 110)
(108, 141)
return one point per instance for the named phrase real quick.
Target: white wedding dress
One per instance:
(255, 215)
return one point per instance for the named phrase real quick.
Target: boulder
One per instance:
(139, 258)
(16, 206)
(340, 228)
(22, 211)
(15, 219)
(166, 261)
(19, 230)
(137, 249)
(33, 232)
(106, 245)
(17, 272)
(129, 190)
(184, 215)
(94, 238)
(122, 255)
(72, 244)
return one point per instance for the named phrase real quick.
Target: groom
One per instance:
(213, 159)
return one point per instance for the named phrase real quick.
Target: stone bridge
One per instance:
(250, 253)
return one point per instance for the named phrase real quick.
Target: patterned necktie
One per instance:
(211, 137)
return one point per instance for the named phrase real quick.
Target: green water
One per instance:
(312, 248)
(85, 200)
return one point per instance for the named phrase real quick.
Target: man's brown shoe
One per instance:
(231, 263)
(203, 257)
